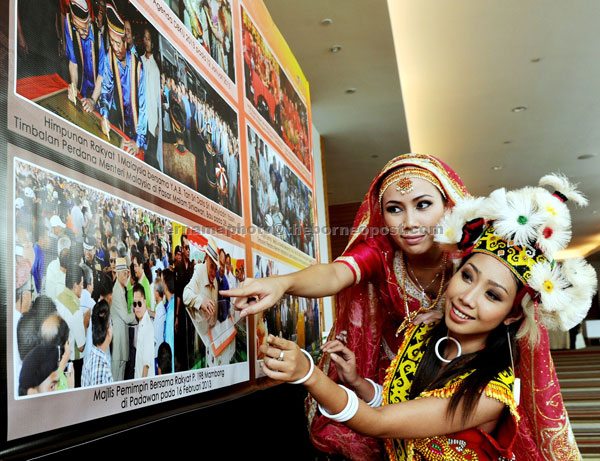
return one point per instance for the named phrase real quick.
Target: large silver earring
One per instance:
(517, 383)
(437, 346)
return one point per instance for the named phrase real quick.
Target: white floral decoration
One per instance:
(551, 285)
(453, 221)
(553, 236)
(490, 206)
(552, 207)
(520, 218)
(582, 278)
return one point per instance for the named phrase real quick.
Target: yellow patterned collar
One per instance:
(401, 372)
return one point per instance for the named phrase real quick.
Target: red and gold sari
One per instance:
(368, 316)
(370, 312)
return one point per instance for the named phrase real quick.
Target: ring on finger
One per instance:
(280, 358)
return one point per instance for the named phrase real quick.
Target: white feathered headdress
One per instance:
(524, 229)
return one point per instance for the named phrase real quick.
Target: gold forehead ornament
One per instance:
(403, 179)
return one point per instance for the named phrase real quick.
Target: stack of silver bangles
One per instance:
(377, 399)
(352, 405)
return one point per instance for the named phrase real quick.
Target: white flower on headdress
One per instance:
(553, 235)
(520, 218)
(493, 204)
(583, 282)
(551, 285)
(453, 221)
(582, 278)
(551, 206)
(451, 225)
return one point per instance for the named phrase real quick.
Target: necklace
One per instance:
(410, 316)
(415, 278)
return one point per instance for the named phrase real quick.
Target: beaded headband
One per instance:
(518, 258)
(403, 179)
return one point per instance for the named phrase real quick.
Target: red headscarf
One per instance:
(371, 311)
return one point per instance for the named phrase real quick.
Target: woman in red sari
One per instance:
(391, 270)
(451, 392)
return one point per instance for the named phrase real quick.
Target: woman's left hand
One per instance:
(284, 361)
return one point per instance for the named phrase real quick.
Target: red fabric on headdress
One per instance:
(370, 312)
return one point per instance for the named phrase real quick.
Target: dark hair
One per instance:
(138, 288)
(164, 358)
(88, 275)
(100, 322)
(484, 364)
(137, 256)
(105, 287)
(169, 279)
(73, 276)
(28, 328)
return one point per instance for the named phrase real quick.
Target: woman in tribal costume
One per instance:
(391, 270)
(451, 391)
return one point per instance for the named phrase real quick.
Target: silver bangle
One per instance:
(349, 410)
(377, 399)
(310, 372)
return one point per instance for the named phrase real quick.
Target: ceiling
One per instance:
(449, 86)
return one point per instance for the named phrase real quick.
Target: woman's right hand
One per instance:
(256, 295)
(283, 360)
(345, 362)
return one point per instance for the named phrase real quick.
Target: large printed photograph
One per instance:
(282, 204)
(293, 318)
(269, 90)
(107, 291)
(208, 330)
(200, 132)
(99, 65)
(210, 23)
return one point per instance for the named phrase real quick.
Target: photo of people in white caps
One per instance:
(103, 281)
(210, 23)
(104, 70)
(282, 204)
(200, 132)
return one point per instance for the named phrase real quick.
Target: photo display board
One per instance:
(156, 152)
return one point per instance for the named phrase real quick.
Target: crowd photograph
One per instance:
(272, 94)
(282, 204)
(210, 23)
(99, 64)
(107, 291)
(293, 318)
(200, 132)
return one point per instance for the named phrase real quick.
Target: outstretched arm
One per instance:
(257, 295)
(420, 418)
